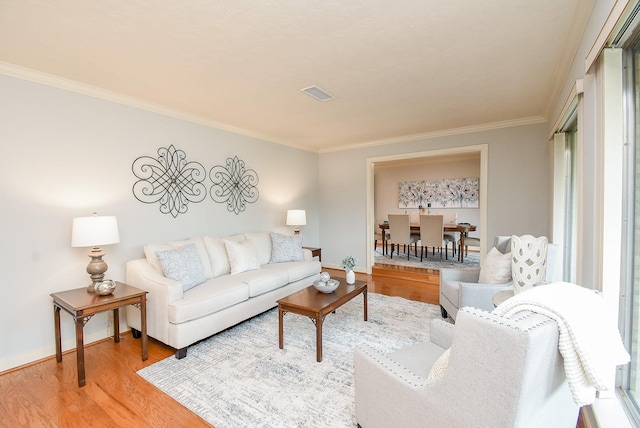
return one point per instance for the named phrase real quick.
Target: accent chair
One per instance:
(499, 372)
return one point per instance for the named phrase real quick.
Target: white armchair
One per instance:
(501, 372)
(460, 287)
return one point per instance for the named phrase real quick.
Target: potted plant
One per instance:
(348, 263)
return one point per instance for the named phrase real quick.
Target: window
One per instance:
(630, 298)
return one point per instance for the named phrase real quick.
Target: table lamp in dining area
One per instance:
(92, 232)
(296, 218)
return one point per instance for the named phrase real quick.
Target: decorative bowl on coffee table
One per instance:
(326, 287)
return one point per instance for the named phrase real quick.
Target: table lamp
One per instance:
(296, 218)
(92, 232)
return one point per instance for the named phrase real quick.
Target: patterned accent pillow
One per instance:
(286, 248)
(242, 256)
(440, 366)
(183, 265)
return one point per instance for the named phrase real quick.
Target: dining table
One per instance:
(462, 228)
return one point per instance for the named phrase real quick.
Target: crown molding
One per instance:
(35, 76)
(442, 133)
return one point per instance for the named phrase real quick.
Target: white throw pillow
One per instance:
(440, 366)
(183, 265)
(496, 268)
(242, 256)
(286, 248)
(217, 252)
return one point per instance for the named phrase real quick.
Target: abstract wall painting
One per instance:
(442, 193)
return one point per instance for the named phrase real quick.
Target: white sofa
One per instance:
(231, 292)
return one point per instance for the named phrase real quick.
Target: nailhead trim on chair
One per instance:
(393, 367)
(509, 322)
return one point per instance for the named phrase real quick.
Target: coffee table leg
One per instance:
(280, 328)
(319, 321)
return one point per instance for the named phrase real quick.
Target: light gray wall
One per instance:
(518, 186)
(66, 155)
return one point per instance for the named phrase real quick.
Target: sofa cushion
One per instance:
(212, 296)
(262, 243)
(183, 265)
(217, 254)
(242, 256)
(296, 270)
(262, 281)
(286, 248)
(151, 249)
(496, 268)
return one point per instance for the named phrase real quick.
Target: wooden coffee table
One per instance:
(317, 306)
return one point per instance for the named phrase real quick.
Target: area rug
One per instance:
(471, 261)
(240, 378)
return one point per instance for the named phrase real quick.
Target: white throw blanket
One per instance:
(589, 340)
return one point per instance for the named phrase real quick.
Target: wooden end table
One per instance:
(315, 251)
(82, 305)
(316, 305)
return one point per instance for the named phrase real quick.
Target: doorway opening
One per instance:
(481, 149)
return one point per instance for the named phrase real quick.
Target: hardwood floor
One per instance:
(46, 394)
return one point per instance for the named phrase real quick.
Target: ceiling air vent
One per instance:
(318, 93)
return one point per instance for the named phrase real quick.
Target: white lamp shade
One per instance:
(296, 217)
(94, 231)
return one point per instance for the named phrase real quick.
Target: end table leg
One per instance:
(143, 323)
(80, 350)
(116, 325)
(280, 328)
(56, 323)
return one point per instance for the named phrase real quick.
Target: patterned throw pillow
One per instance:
(286, 248)
(183, 265)
(440, 366)
(242, 256)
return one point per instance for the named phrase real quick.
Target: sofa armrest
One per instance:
(441, 333)
(480, 295)
(308, 256)
(142, 274)
(161, 292)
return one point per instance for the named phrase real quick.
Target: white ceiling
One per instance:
(399, 69)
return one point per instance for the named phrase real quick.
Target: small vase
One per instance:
(351, 277)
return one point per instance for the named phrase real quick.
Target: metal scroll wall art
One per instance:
(173, 182)
(234, 184)
(444, 193)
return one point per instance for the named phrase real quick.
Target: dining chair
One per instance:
(468, 241)
(400, 233)
(383, 238)
(450, 237)
(432, 234)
